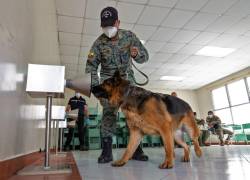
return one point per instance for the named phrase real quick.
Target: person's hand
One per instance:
(134, 51)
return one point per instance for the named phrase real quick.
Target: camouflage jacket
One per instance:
(114, 55)
(213, 120)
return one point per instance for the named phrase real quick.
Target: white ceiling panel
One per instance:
(153, 64)
(178, 58)
(129, 13)
(135, 1)
(127, 26)
(190, 49)
(70, 24)
(144, 32)
(218, 7)
(94, 7)
(172, 47)
(69, 39)
(163, 3)
(154, 46)
(88, 40)
(191, 4)
(161, 57)
(163, 34)
(153, 15)
(223, 40)
(92, 27)
(204, 38)
(200, 21)
(177, 18)
(69, 50)
(189, 25)
(223, 23)
(241, 27)
(71, 8)
(184, 36)
(241, 8)
(69, 59)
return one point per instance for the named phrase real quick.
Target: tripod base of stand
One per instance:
(41, 170)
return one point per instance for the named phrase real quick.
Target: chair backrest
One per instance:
(237, 129)
(246, 128)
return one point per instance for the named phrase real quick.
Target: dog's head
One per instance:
(112, 89)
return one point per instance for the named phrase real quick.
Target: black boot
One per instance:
(106, 155)
(139, 155)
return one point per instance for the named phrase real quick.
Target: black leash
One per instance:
(142, 73)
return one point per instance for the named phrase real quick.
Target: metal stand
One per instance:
(46, 169)
(47, 131)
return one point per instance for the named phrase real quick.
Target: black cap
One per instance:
(108, 16)
(210, 112)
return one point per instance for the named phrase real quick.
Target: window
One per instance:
(220, 99)
(241, 114)
(231, 102)
(224, 115)
(248, 83)
(237, 92)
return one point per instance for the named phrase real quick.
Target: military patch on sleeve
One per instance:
(91, 55)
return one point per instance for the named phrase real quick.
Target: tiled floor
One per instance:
(218, 163)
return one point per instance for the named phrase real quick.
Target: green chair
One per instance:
(155, 141)
(146, 141)
(246, 130)
(239, 134)
(187, 139)
(114, 141)
(93, 138)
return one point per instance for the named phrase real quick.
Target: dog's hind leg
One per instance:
(193, 131)
(178, 139)
(134, 140)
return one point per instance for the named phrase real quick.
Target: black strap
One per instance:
(142, 73)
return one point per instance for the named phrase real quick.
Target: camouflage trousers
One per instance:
(109, 119)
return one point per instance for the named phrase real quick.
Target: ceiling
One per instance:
(173, 31)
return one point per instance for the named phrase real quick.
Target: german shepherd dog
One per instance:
(147, 112)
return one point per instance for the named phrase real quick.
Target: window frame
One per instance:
(247, 86)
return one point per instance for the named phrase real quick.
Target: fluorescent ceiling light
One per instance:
(215, 51)
(171, 78)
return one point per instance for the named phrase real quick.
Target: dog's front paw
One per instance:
(118, 163)
(185, 159)
(166, 165)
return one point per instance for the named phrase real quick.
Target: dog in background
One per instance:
(151, 113)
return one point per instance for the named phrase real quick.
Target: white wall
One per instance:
(204, 96)
(28, 34)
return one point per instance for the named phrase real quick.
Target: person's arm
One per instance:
(68, 107)
(86, 111)
(217, 120)
(93, 61)
(142, 53)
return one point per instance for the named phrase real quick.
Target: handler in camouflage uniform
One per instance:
(214, 124)
(114, 50)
